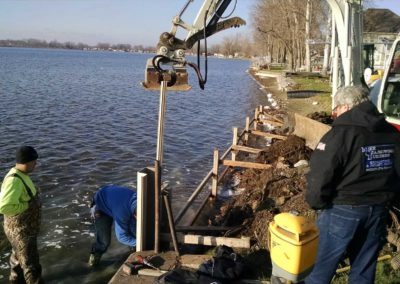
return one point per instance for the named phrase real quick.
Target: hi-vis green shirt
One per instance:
(14, 198)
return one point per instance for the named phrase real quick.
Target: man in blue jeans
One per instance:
(354, 175)
(118, 204)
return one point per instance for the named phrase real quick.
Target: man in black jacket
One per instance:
(354, 175)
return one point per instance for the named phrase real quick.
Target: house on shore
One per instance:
(381, 27)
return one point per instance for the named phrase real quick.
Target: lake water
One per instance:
(93, 124)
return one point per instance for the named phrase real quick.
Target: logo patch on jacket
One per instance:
(321, 146)
(378, 157)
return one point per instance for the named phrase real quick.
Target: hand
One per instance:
(93, 212)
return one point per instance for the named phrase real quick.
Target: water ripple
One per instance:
(93, 124)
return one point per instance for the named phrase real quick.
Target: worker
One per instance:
(118, 204)
(354, 175)
(19, 202)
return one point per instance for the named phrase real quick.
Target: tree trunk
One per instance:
(327, 47)
(308, 55)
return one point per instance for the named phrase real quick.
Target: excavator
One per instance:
(170, 63)
(386, 93)
(171, 50)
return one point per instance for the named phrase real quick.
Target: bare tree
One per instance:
(285, 29)
(103, 46)
(308, 22)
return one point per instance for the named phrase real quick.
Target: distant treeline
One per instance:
(36, 43)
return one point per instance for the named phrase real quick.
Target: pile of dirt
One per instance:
(322, 117)
(265, 193)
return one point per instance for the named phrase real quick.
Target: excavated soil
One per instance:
(261, 194)
(265, 193)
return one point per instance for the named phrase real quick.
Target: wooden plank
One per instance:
(255, 119)
(151, 272)
(271, 117)
(246, 135)
(309, 129)
(268, 135)
(214, 187)
(246, 149)
(273, 123)
(249, 165)
(234, 142)
(243, 242)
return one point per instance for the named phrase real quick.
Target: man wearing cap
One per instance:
(19, 202)
(354, 176)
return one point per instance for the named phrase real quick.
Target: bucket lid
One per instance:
(294, 224)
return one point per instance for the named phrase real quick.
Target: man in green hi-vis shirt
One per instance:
(19, 202)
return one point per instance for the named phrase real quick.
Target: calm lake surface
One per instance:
(93, 124)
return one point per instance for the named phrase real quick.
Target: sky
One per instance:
(113, 21)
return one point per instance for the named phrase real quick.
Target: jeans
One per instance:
(352, 231)
(103, 224)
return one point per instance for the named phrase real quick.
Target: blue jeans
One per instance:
(103, 224)
(353, 231)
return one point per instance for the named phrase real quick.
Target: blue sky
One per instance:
(112, 21)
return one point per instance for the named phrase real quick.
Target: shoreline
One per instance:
(277, 84)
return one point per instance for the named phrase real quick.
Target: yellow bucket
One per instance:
(293, 244)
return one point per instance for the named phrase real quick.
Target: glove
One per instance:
(93, 210)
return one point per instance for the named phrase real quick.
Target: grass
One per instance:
(384, 275)
(305, 106)
(312, 83)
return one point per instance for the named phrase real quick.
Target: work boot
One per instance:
(94, 259)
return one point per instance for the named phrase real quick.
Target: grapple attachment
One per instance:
(177, 77)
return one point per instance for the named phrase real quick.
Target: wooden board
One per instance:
(268, 121)
(272, 117)
(308, 129)
(151, 272)
(248, 165)
(215, 241)
(246, 149)
(268, 135)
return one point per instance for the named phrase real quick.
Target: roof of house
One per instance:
(381, 20)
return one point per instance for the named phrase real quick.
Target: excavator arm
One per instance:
(170, 62)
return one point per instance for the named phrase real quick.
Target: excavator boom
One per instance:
(170, 63)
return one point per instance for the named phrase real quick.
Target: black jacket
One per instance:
(357, 162)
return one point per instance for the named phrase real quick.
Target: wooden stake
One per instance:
(255, 119)
(170, 220)
(234, 142)
(246, 135)
(215, 174)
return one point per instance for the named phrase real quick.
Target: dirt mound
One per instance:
(322, 117)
